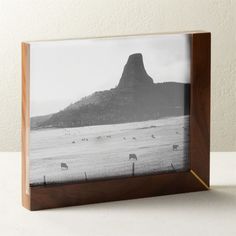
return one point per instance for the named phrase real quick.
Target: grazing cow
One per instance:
(73, 141)
(124, 138)
(133, 156)
(153, 136)
(134, 138)
(175, 147)
(64, 166)
(108, 136)
(99, 137)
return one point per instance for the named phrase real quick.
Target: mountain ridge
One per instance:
(135, 98)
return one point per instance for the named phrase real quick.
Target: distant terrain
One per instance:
(136, 98)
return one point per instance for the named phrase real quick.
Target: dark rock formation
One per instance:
(136, 98)
(134, 73)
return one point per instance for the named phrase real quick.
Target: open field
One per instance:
(96, 152)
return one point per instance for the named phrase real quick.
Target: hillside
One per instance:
(136, 98)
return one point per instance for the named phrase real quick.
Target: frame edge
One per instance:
(200, 107)
(25, 48)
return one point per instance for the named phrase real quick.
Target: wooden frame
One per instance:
(195, 179)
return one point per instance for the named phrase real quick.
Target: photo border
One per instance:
(122, 188)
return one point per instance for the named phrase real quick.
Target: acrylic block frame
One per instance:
(195, 179)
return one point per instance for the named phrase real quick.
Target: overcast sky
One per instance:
(62, 72)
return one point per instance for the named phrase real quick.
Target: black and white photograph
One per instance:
(109, 108)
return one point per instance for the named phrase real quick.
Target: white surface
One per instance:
(50, 19)
(210, 213)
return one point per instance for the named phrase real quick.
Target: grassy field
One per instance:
(96, 152)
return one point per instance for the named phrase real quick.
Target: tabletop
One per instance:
(205, 213)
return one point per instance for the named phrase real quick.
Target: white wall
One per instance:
(53, 19)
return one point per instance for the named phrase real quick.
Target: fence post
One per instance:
(44, 180)
(173, 167)
(85, 175)
(133, 168)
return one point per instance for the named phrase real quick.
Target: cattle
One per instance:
(153, 136)
(133, 156)
(64, 166)
(134, 138)
(175, 147)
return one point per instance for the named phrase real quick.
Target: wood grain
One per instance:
(200, 106)
(113, 190)
(25, 124)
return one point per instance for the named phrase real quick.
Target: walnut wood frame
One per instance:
(196, 179)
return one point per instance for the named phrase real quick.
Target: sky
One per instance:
(62, 72)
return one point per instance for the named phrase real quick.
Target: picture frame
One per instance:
(195, 178)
